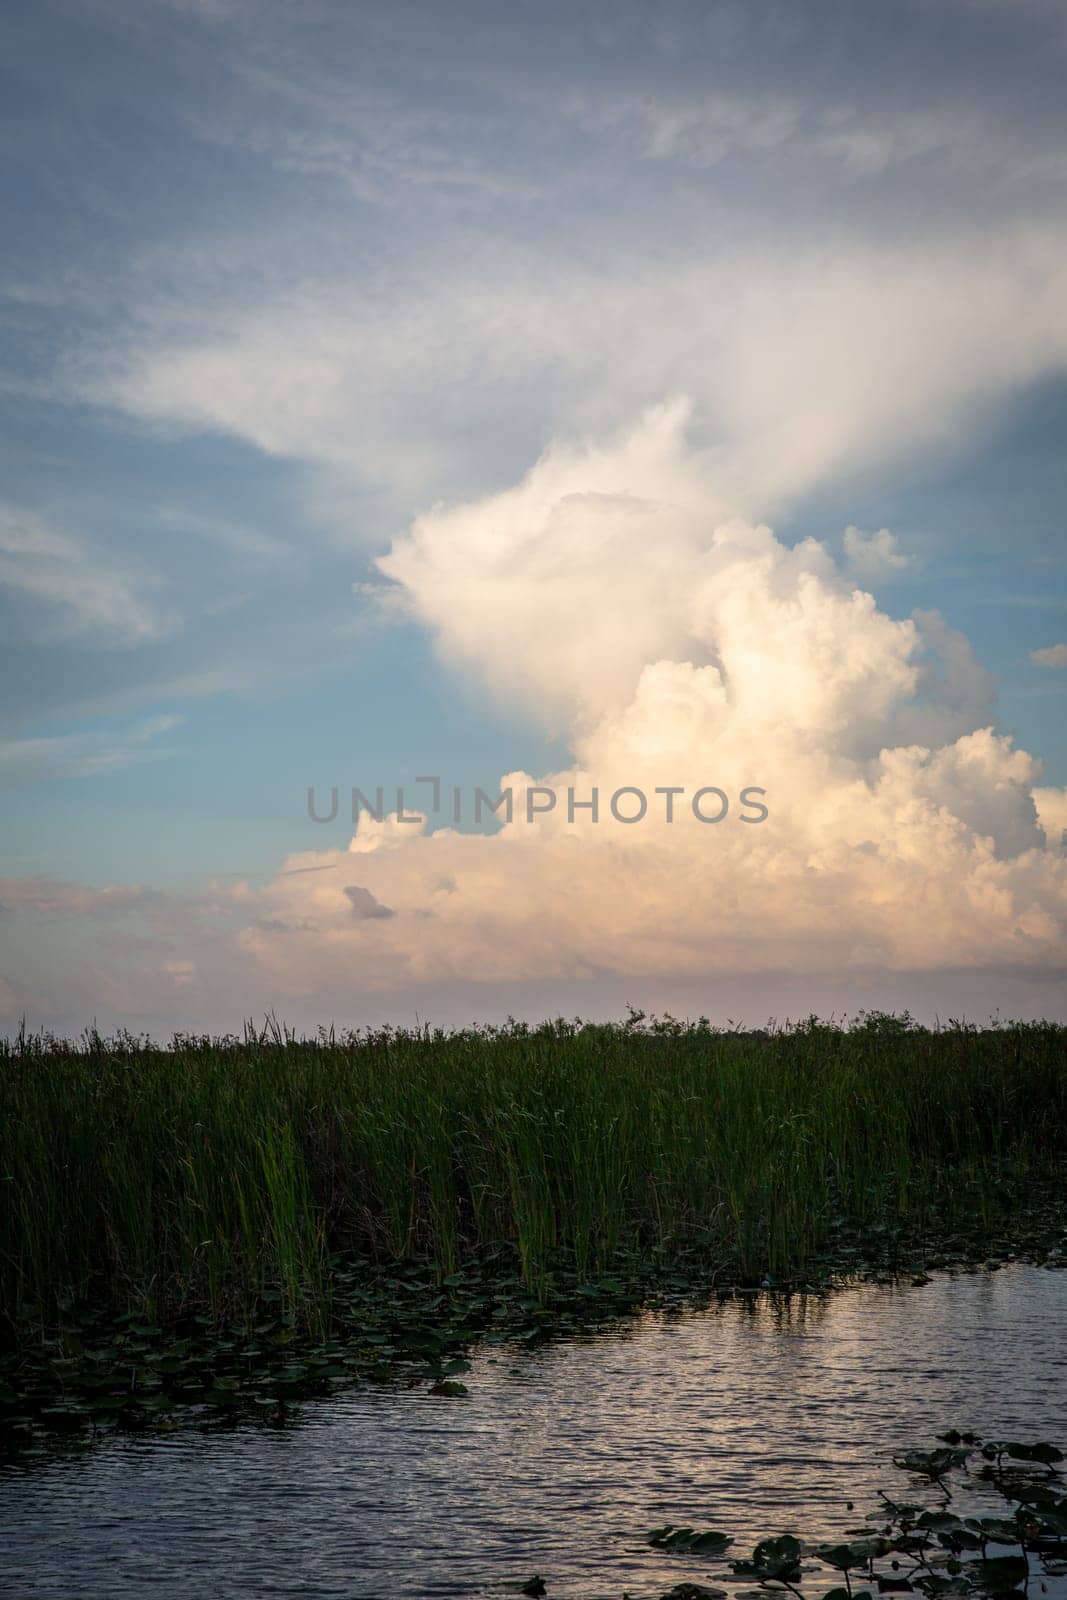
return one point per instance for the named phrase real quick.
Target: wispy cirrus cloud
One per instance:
(81, 590)
(805, 253)
(401, 381)
(81, 755)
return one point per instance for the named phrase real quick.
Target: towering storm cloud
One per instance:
(684, 652)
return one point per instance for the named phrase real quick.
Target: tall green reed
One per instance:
(205, 1173)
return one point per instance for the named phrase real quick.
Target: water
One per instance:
(752, 1417)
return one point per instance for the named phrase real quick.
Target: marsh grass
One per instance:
(206, 1174)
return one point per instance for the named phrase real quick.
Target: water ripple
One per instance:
(755, 1417)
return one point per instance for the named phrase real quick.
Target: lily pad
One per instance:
(687, 1539)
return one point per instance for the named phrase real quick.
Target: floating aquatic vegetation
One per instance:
(698, 1544)
(913, 1548)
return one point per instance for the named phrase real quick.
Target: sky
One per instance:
(544, 398)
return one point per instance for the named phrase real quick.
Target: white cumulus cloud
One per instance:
(684, 648)
(1053, 655)
(872, 555)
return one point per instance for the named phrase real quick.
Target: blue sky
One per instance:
(277, 281)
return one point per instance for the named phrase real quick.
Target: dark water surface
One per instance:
(754, 1417)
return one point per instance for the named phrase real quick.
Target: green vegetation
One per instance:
(206, 1173)
(401, 1192)
(911, 1548)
